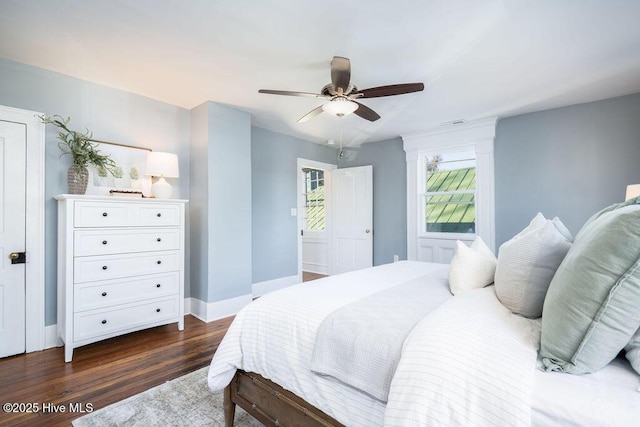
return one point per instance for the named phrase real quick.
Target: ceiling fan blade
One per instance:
(310, 115)
(389, 90)
(290, 93)
(340, 73)
(366, 112)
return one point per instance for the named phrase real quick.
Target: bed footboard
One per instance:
(270, 404)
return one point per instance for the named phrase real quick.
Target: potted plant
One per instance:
(83, 151)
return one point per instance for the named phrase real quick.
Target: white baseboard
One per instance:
(51, 339)
(315, 268)
(210, 311)
(261, 288)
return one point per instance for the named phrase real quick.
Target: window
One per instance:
(314, 206)
(472, 141)
(449, 192)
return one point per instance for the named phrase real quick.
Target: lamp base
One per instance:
(161, 189)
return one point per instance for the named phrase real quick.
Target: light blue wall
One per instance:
(567, 162)
(113, 115)
(221, 211)
(199, 202)
(389, 195)
(274, 187)
(229, 184)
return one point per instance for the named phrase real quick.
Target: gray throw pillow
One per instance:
(633, 351)
(591, 309)
(527, 263)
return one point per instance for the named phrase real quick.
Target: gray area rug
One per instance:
(185, 401)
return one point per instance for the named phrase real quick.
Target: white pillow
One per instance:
(527, 263)
(471, 267)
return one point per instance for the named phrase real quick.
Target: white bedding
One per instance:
(468, 363)
(275, 336)
(608, 397)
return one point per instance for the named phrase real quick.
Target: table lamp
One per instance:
(162, 165)
(632, 191)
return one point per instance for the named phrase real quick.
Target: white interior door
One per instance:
(313, 245)
(12, 237)
(352, 245)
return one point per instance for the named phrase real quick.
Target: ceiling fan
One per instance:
(341, 95)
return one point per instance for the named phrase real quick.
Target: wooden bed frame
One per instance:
(270, 404)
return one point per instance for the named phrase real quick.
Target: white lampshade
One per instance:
(340, 107)
(633, 191)
(162, 165)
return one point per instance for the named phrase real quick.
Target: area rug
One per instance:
(185, 401)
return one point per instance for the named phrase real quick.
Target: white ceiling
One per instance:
(477, 58)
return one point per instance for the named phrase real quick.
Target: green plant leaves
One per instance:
(82, 149)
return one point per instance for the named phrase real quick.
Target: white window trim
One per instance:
(475, 135)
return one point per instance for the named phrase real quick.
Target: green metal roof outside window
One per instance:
(453, 210)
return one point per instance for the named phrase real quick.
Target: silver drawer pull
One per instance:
(104, 267)
(158, 285)
(104, 322)
(104, 214)
(104, 242)
(159, 239)
(157, 310)
(159, 262)
(104, 294)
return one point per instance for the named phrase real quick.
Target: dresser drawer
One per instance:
(125, 214)
(93, 295)
(157, 214)
(109, 241)
(96, 323)
(102, 214)
(104, 267)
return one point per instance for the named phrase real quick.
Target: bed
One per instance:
(481, 372)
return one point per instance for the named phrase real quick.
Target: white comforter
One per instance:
(470, 362)
(275, 336)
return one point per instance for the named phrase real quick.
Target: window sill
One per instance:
(448, 236)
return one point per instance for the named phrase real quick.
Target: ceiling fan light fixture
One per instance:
(340, 107)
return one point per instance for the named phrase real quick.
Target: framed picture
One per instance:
(130, 172)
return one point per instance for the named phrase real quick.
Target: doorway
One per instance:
(22, 232)
(314, 218)
(335, 218)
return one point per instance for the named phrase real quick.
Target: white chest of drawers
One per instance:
(120, 266)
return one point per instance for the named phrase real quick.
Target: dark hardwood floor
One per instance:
(104, 372)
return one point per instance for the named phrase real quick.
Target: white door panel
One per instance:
(352, 190)
(12, 237)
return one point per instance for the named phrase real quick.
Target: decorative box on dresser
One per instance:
(120, 266)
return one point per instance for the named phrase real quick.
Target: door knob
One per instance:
(367, 231)
(18, 257)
